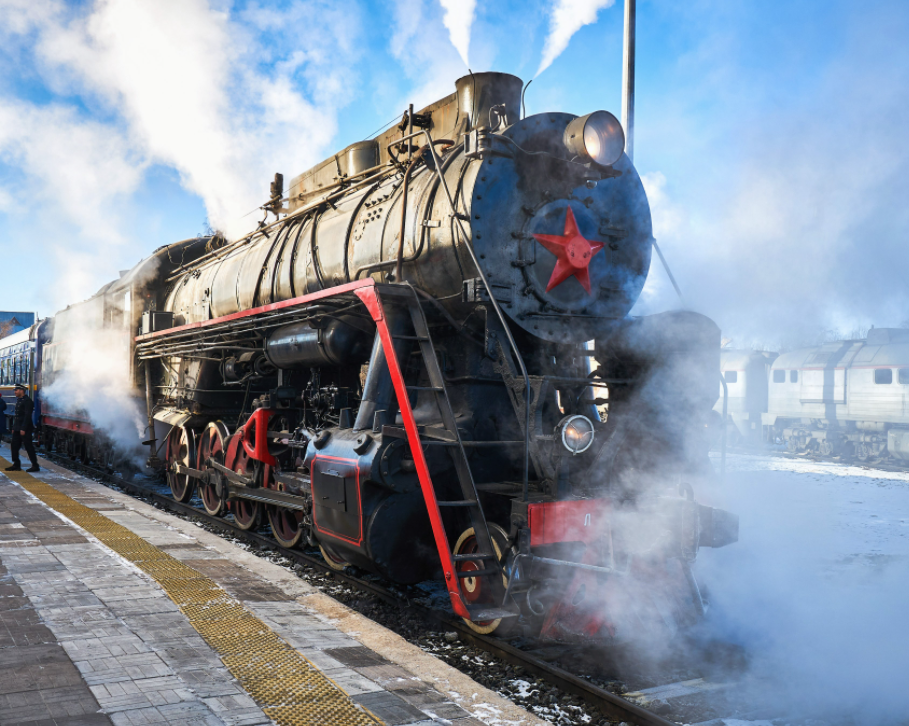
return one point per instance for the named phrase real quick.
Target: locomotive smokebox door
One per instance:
(336, 499)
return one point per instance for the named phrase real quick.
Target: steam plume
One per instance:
(92, 375)
(567, 18)
(458, 19)
(225, 94)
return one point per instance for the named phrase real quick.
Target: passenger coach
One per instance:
(20, 358)
(845, 398)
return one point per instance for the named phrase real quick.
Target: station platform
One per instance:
(114, 612)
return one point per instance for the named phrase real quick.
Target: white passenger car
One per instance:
(846, 397)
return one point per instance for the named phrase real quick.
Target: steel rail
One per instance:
(610, 704)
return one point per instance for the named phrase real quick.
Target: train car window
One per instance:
(779, 376)
(793, 376)
(883, 375)
(904, 375)
(732, 376)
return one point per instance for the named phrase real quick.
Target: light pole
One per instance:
(628, 79)
(628, 114)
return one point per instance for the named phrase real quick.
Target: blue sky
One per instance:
(770, 134)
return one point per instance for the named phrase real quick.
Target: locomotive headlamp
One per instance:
(598, 136)
(576, 433)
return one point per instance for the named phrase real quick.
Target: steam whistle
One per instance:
(275, 197)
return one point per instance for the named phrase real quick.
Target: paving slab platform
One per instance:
(114, 612)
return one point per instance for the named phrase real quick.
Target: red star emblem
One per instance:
(573, 253)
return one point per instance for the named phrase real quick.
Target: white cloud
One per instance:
(73, 168)
(566, 19)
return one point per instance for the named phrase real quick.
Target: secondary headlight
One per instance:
(576, 433)
(598, 136)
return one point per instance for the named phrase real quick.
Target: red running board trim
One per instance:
(270, 308)
(373, 303)
(68, 424)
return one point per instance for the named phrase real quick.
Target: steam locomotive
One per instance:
(396, 369)
(847, 398)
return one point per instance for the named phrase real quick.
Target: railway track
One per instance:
(609, 704)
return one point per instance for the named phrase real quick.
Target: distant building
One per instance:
(14, 322)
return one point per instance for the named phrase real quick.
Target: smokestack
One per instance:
(628, 80)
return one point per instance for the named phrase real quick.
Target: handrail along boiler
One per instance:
(395, 369)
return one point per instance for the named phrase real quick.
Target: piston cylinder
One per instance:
(301, 345)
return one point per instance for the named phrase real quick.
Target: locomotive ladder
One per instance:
(406, 297)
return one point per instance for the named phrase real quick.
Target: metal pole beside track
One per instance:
(725, 425)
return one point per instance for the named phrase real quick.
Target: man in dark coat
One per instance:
(22, 430)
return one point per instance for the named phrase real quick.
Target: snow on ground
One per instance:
(817, 587)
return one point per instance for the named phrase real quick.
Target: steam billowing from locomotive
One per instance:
(395, 370)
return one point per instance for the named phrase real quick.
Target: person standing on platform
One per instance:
(22, 430)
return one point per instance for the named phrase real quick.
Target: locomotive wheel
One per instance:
(247, 514)
(286, 524)
(482, 590)
(181, 449)
(333, 560)
(211, 446)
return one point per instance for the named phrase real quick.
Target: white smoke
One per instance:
(427, 61)
(459, 15)
(189, 88)
(226, 95)
(816, 588)
(566, 19)
(89, 372)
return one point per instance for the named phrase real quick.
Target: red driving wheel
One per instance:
(481, 590)
(286, 524)
(247, 514)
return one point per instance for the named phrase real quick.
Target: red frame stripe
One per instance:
(68, 424)
(270, 308)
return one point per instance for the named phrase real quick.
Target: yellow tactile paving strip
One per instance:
(288, 688)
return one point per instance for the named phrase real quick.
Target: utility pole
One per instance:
(628, 79)
(628, 114)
